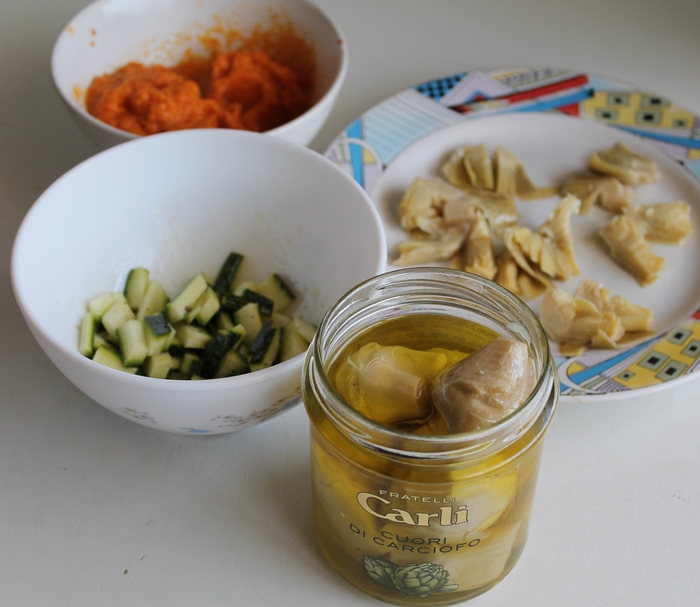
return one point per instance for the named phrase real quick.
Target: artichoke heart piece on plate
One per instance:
(500, 210)
(573, 320)
(630, 249)
(422, 204)
(621, 162)
(425, 250)
(603, 190)
(512, 179)
(633, 317)
(470, 166)
(512, 238)
(547, 253)
(507, 273)
(557, 229)
(664, 222)
(478, 255)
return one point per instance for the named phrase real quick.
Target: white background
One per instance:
(96, 510)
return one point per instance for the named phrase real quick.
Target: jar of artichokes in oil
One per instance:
(406, 508)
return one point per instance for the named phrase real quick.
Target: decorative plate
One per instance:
(553, 119)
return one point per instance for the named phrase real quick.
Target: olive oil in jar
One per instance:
(409, 516)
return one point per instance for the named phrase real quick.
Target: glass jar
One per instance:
(421, 519)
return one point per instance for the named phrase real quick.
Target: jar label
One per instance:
(419, 539)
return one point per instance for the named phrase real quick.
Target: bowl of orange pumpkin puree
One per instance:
(128, 69)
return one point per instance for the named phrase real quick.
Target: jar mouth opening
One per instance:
(364, 297)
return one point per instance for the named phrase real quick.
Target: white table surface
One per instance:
(96, 510)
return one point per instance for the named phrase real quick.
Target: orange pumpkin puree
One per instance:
(242, 89)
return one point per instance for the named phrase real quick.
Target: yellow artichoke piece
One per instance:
(572, 320)
(507, 274)
(485, 562)
(664, 222)
(500, 210)
(512, 238)
(594, 292)
(529, 287)
(417, 251)
(621, 162)
(557, 228)
(422, 203)
(603, 190)
(632, 317)
(486, 386)
(511, 178)
(629, 248)
(470, 166)
(479, 257)
(389, 384)
(549, 252)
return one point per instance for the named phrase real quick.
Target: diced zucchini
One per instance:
(178, 308)
(158, 366)
(97, 306)
(100, 339)
(172, 374)
(115, 316)
(239, 288)
(192, 336)
(263, 351)
(224, 321)
(274, 288)
(230, 303)
(132, 343)
(110, 358)
(265, 304)
(135, 287)
(249, 317)
(159, 334)
(279, 320)
(233, 363)
(213, 328)
(306, 329)
(293, 343)
(154, 300)
(191, 364)
(86, 335)
(208, 304)
(176, 349)
(227, 273)
(217, 348)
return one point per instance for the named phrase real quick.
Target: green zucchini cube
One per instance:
(159, 333)
(135, 287)
(86, 335)
(109, 357)
(115, 316)
(154, 300)
(179, 307)
(276, 289)
(98, 305)
(132, 343)
(158, 366)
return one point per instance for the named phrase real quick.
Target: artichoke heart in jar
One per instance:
(429, 392)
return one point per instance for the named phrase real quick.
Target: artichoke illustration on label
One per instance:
(418, 580)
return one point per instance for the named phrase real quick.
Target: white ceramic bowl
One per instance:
(177, 204)
(107, 34)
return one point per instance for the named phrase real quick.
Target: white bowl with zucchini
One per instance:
(177, 279)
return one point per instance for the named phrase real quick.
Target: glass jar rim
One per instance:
(380, 437)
